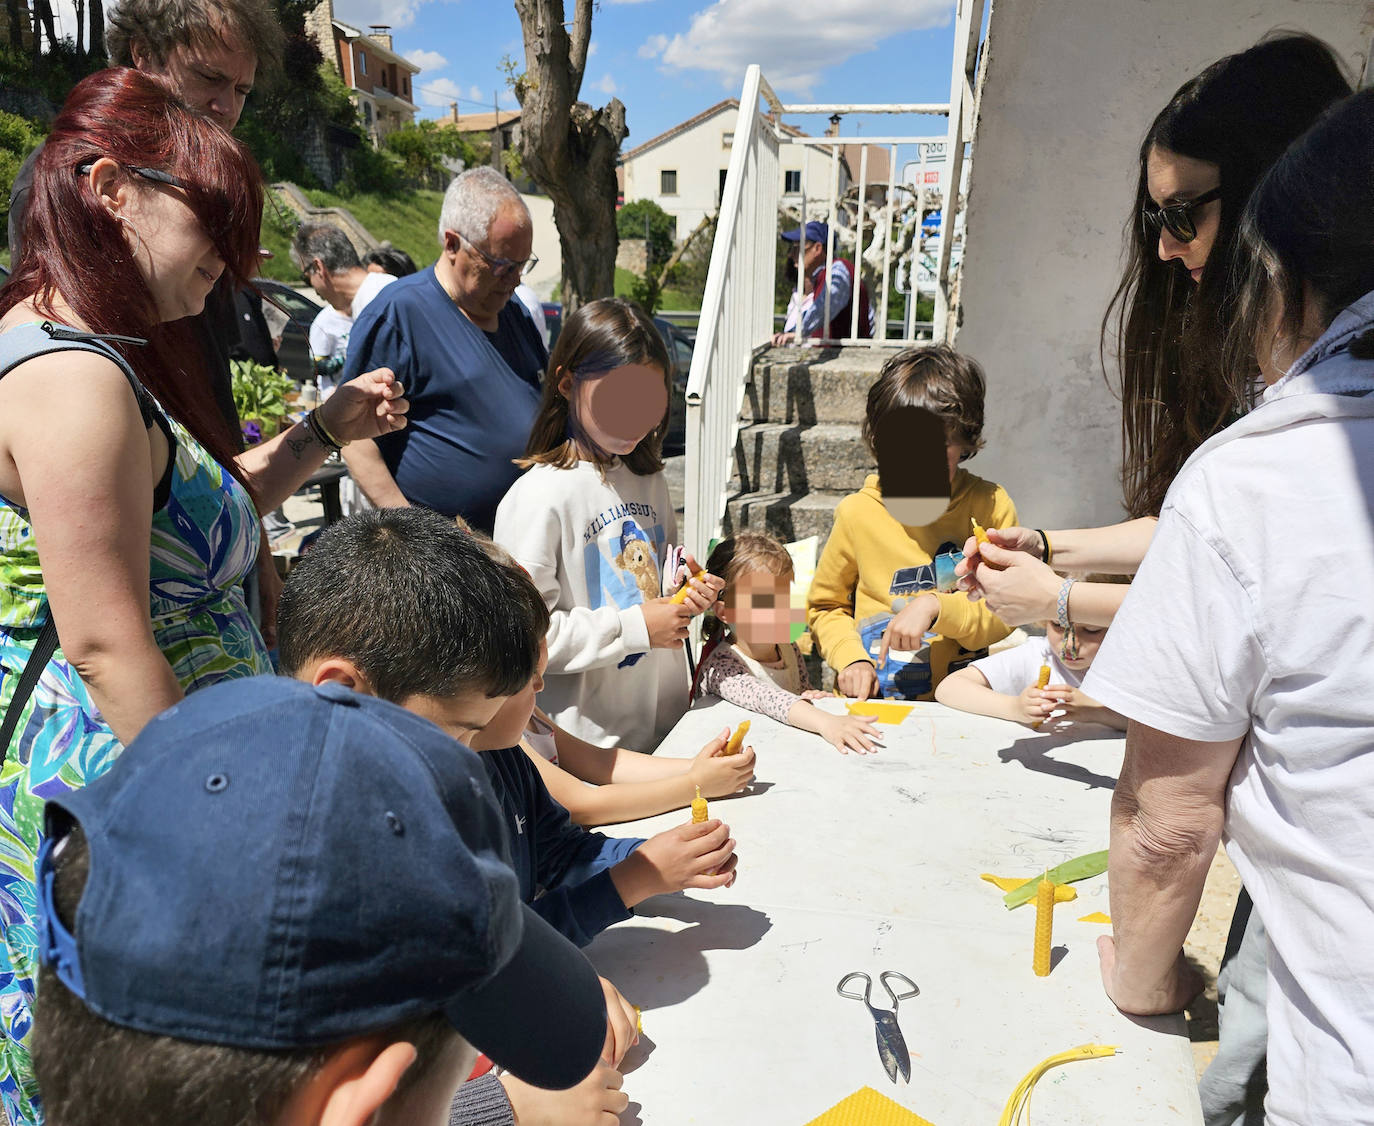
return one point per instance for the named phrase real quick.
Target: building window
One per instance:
(791, 181)
(723, 173)
(726, 140)
(367, 113)
(384, 79)
(362, 62)
(667, 182)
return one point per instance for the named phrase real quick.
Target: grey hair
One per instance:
(327, 243)
(472, 201)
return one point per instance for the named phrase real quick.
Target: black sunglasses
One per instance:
(1177, 218)
(147, 173)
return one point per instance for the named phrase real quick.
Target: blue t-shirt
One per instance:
(473, 395)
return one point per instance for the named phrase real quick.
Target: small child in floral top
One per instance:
(749, 658)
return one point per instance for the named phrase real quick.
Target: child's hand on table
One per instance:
(719, 775)
(621, 1024)
(1079, 706)
(859, 680)
(666, 621)
(596, 1101)
(857, 733)
(689, 856)
(1034, 705)
(909, 626)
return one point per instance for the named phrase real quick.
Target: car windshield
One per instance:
(300, 307)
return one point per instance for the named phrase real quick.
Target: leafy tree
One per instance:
(18, 138)
(644, 219)
(422, 146)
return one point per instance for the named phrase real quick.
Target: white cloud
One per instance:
(652, 47)
(427, 60)
(365, 13)
(475, 93)
(438, 92)
(606, 84)
(794, 41)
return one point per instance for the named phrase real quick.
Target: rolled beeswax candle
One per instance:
(979, 533)
(698, 808)
(1044, 927)
(1040, 682)
(737, 739)
(681, 596)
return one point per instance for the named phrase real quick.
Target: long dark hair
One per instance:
(600, 337)
(1307, 235)
(1239, 114)
(74, 248)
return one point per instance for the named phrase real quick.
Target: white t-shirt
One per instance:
(1012, 670)
(594, 547)
(1253, 614)
(535, 308)
(330, 329)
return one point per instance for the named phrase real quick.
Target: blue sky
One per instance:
(669, 59)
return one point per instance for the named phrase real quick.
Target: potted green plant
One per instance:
(263, 396)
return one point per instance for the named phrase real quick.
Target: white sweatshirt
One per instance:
(595, 550)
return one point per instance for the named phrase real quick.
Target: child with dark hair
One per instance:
(402, 604)
(591, 520)
(750, 658)
(882, 579)
(257, 981)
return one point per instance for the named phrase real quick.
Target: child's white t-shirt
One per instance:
(1013, 670)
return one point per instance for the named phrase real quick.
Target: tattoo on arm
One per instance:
(297, 445)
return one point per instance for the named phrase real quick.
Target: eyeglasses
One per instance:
(147, 173)
(1177, 218)
(499, 267)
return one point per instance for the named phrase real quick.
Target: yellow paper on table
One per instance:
(866, 1107)
(1095, 917)
(1062, 892)
(882, 710)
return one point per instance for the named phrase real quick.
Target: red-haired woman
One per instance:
(127, 518)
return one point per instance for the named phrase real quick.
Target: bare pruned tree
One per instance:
(567, 146)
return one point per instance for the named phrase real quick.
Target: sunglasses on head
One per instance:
(1177, 218)
(147, 173)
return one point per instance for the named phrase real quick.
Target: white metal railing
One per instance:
(737, 305)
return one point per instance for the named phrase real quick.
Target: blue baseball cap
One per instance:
(275, 865)
(816, 231)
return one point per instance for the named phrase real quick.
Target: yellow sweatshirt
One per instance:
(871, 560)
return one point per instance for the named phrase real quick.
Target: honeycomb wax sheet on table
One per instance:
(871, 862)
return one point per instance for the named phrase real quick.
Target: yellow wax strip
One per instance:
(1019, 1103)
(1062, 892)
(881, 710)
(1095, 917)
(1044, 927)
(733, 746)
(698, 808)
(866, 1107)
(978, 531)
(639, 1020)
(1040, 682)
(681, 596)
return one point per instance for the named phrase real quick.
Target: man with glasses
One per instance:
(469, 357)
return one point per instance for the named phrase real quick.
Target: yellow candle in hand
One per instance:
(979, 533)
(737, 739)
(698, 808)
(1040, 682)
(681, 596)
(1044, 926)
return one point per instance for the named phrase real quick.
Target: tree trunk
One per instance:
(16, 20)
(568, 147)
(80, 26)
(42, 16)
(97, 10)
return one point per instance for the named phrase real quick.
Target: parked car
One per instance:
(294, 351)
(679, 345)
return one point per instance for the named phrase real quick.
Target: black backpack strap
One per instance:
(24, 342)
(43, 649)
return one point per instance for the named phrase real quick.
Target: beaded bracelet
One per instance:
(317, 430)
(1063, 604)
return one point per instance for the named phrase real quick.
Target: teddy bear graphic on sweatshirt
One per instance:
(638, 559)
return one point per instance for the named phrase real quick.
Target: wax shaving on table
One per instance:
(867, 1107)
(1017, 1110)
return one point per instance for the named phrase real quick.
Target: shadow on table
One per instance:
(657, 968)
(1033, 752)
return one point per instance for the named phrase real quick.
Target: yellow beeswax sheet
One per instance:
(1062, 892)
(866, 1107)
(1095, 917)
(882, 710)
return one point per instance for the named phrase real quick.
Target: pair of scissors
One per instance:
(892, 1048)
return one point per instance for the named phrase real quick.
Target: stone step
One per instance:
(776, 456)
(789, 516)
(809, 386)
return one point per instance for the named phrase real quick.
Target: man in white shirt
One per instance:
(330, 265)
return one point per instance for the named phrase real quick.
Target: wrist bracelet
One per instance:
(1063, 604)
(1045, 543)
(318, 431)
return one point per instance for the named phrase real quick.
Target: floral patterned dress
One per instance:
(204, 542)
